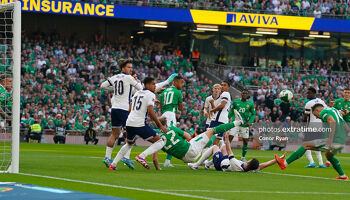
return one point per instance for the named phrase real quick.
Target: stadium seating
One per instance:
(63, 77)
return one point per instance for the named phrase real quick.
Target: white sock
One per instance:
(285, 163)
(309, 156)
(167, 161)
(210, 162)
(319, 157)
(153, 148)
(125, 148)
(205, 156)
(127, 154)
(109, 151)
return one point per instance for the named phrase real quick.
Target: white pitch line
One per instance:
(267, 192)
(272, 173)
(297, 175)
(122, 187)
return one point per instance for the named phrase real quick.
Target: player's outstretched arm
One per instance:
(219, 107)
(155, 161)
(271, 162)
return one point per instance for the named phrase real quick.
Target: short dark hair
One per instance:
(178, 77)
(348, 88)
(311, 89)
(245, 90)
(316, 106)
(228, 83)
(253, 165)
(148, 80)
(123, 62)
(4, 76)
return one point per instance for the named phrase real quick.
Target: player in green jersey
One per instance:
(343, 104)
(332, 145)
(177, 146)
(171, 101)
(5, 95)
(246, 108)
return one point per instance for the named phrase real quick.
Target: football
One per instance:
(286, 95)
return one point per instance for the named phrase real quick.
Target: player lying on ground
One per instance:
(334, 143)
(224, 160)
(177, 146)
(142, 103)
(123, 84)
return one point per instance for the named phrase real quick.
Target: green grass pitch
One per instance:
(83, 170)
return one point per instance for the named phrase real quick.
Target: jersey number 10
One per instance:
(168, 98)
(118, 88)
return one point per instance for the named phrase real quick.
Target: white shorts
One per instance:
(197, 145)
(170, 118)
(240, 131)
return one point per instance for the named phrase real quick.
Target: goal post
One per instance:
(10, 51)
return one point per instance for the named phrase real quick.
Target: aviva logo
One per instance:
(251, 19)
(3, 189)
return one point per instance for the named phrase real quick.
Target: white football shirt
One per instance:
(139, 103)
(207, 105)
(232, 165)
(308, 109)
(222, 115)
(123, 85)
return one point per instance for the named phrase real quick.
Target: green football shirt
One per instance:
(245, 108)
(341, 104)
(340, 133)
(5, 99)
(170, 98)
(175, 144)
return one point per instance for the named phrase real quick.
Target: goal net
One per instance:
(10, 57)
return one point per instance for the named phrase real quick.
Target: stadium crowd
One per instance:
(269, 84)
(61, 83)
(61, 80)
(310, 8)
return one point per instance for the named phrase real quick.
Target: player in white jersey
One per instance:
(224, 160)
(122, 85)
(220, 109)
(313, 121)
(216, 89)
(142, 104)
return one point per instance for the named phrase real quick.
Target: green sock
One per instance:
(223, 128)
(336, 165)
(169, 157)
(211, 141)
(244, 149)
(296, 154)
